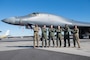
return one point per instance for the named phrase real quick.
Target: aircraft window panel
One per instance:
(33, 14)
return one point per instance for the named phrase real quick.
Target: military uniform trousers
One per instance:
(51, 38)
(76, 39)
(66, 37)
(58, 40)
(44, 39)
(36, 39)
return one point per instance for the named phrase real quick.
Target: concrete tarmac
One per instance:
(36, 54)
(22, 49)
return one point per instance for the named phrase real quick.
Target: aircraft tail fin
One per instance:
(7, 32)
(5, 35)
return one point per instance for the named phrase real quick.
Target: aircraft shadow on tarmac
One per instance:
(23, 46)
(14, 40)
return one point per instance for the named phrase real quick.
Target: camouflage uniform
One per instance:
(51, 35)
(59, 36)
(76, 37)
(66, 36)
(44, 36)
(36, 36)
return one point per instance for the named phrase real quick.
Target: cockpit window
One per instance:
(33, 14)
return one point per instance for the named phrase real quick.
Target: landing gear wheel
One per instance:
(89, 36)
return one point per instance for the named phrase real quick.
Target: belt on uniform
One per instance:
(35, 31)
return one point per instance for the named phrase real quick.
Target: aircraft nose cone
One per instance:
(4, 20)
(10, 20)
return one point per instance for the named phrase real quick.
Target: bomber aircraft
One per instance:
(48, 19)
